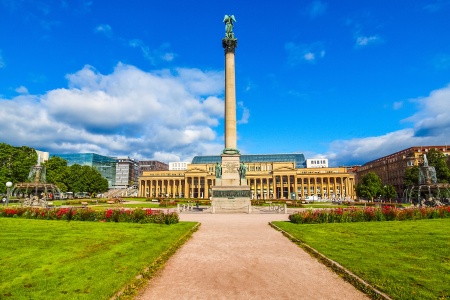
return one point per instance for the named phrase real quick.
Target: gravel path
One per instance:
(239, 256)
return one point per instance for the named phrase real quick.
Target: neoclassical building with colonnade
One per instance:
(270, 176)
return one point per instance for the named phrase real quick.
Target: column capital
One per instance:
(229, 45)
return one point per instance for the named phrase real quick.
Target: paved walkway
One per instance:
(239, 256)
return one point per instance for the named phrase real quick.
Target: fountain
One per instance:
(428, 192)
(36, 192)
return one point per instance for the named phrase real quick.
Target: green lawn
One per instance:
(78, 260)
(405, 259)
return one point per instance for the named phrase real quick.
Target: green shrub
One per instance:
(368, 214)
(138, 215)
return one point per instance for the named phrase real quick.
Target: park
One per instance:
(229, 246)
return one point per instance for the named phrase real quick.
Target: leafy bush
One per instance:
(138, 215)
(368, 214)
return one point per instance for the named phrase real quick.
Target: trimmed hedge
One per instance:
(110, 215)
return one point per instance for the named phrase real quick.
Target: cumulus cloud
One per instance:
(430, 126)
(304, 53)
(164, 113)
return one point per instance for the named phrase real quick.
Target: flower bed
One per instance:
(368, 214)
(109, 215)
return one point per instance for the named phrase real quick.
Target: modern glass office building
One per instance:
(297, 158)
(104, 164)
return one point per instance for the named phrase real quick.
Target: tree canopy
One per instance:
(438, 160)
(15, 164)
(74, 178)
(370, 186)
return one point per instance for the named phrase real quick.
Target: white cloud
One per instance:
(105, 29)
(22, 90)
(431, 125)
(304, 53)
(245, 113)
(152, 114)
(155, 55)
(362, 41)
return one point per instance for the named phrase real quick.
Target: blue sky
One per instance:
(350, 81)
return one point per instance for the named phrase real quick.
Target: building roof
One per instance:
(297, 158)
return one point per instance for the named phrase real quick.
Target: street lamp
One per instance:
(8, 185)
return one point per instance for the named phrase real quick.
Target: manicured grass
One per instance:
(78, 260)
(405, 259)
(142, 205)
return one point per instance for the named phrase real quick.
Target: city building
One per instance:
(126, 172)
(317, 163)
(152, 165)
(104, 164)
(180, 165)
(42, 156)
(391, 168)
(270, 176)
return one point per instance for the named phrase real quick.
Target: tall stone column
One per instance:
(229, 46)
(230, 190)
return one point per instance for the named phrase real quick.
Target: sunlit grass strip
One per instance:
(80, 260)
(368, 214)
(405, 260)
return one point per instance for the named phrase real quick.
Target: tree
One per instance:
(411, 176)
(85, 179)
(438, 160)
(370, 186)
(57, 171)
(389, 192)
(15, 164)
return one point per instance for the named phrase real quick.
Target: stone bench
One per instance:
(111, 202)
(49, 204)
(84, 204)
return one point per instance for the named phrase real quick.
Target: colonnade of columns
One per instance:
(299, 187)
(262, 187)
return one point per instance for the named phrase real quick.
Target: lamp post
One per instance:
(8, 185)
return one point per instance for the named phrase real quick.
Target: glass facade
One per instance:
(298, 158)
(104, 164)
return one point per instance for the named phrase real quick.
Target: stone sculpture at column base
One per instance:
(231, 192)
(231, 199)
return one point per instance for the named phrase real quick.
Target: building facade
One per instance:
(317, 163)
(180, 165)
(104, 164)
(273, 176)
(126, 172)
(152, 165)
(391, 168)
